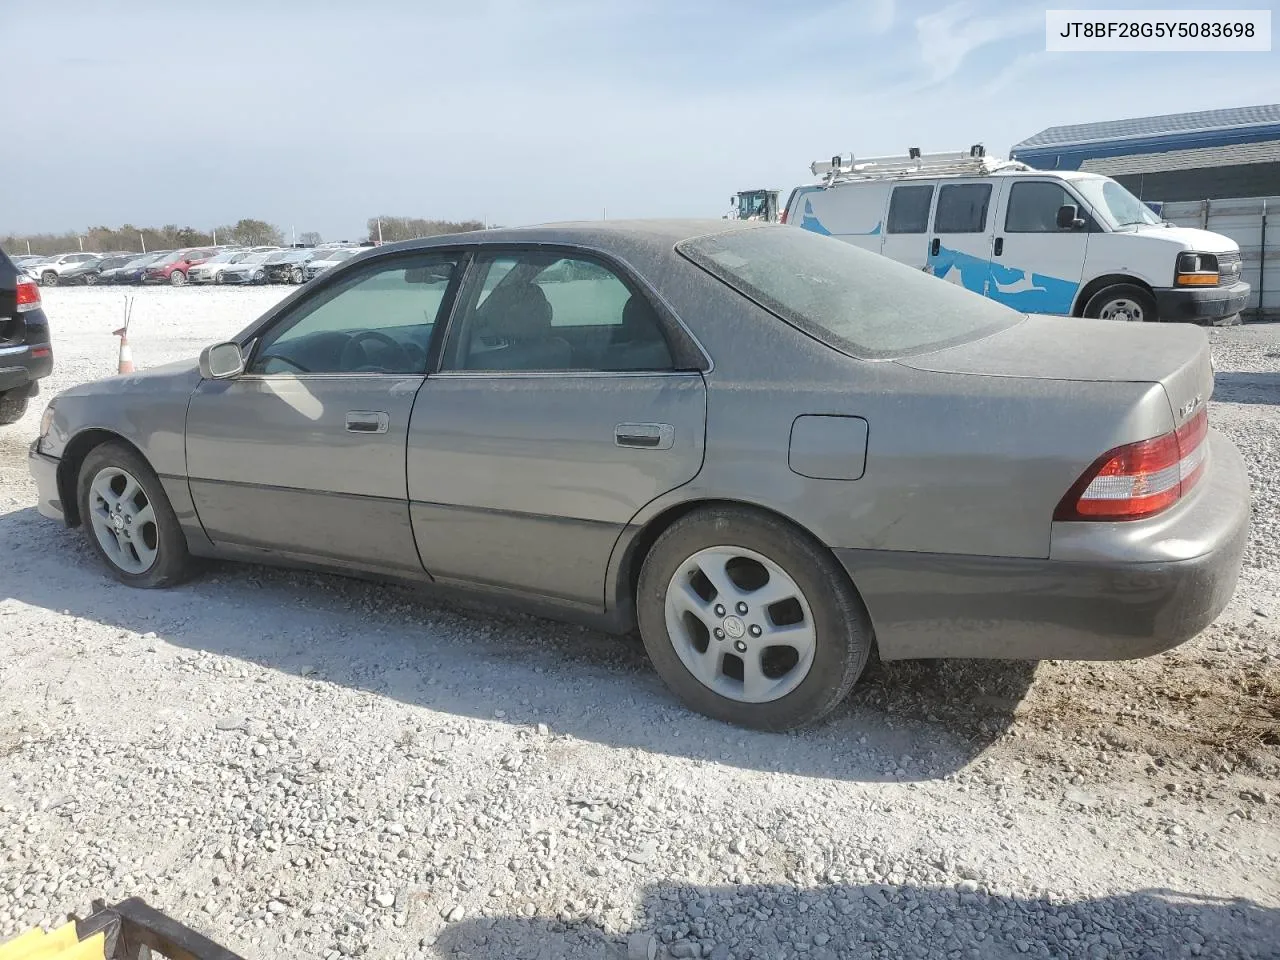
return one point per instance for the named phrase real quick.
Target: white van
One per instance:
(1049, 242)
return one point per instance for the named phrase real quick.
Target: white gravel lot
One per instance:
(309, 766)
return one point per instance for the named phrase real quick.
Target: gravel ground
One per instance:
(309, 766)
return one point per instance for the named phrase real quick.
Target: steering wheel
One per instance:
(349, 361)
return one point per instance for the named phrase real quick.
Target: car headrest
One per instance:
(639, 322)
(521, 312)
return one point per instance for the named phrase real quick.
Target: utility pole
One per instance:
(28, 247)
(143, 241)
(81, 240)
(215, 236)
(379, 233)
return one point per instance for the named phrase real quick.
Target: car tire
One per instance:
(152, 553)
(259, 277)
(295, 275)
(49, 279)
(1124, 301)
(13, 405)
(90, 280)
(177, 278)
(217, 277)
(795, 682)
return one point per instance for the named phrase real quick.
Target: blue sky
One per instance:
(318, 115)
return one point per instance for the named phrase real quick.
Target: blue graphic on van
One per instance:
(1034, 293)
(810, 222)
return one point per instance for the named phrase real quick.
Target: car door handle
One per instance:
(367, 421)
(999, 247)
(935, 247)
(646, 436)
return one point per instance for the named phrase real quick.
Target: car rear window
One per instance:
(860, 303)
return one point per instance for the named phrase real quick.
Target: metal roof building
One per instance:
(1179, 156)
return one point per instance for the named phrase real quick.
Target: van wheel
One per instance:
(1124, 302)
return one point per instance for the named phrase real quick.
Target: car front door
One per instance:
(563, 405)
(960, 243)
(1036, 266)
(304, 453)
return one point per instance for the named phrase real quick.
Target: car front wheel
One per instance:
(129, 520)
(177, 278)
(48, 279)
(750, 620)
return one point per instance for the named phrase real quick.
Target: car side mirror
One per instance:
(1069, 217)
(221, 361)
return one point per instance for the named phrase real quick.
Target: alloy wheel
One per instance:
(123, 520)
(740, 624)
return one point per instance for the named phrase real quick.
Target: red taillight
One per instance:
(28, 295)
(1140, 479)
(783, 218)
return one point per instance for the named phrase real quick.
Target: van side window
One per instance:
(962, 208)
(1033, 207)
(909, 209)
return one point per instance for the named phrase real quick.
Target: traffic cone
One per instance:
(126, 354)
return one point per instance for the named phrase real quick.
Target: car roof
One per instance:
(656, 235)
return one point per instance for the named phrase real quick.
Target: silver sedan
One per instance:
(770, 451)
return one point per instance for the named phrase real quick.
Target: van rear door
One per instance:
(852, 212)
(963, 227)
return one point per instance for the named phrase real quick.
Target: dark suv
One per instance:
(25, 352)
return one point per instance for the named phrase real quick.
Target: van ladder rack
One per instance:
(971, 162)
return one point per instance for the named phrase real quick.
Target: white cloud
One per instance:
(951, 34)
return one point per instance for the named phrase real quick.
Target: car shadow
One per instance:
(1247, 386)
(890, 921)
(905, 721)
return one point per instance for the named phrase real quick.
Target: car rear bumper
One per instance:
(44, 471)
(1109, 591)
(20, 367)
(1201, 303)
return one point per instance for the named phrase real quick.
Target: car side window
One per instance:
(376, 320)
(962, 208)
(909, 209)
(1033, 207)
(540, 311)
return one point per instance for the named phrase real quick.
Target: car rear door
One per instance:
(961, 237)
(1036, 266)
(304, 454)
(557, 413)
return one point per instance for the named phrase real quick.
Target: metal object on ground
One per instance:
(130, 930)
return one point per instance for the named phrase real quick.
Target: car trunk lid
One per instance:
(1050, 348)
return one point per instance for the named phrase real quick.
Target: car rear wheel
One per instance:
(217, 277)
(48, 279)
(295, 275)
(259, 277)
(1124, 302)
(177, 278)
(13, 405)
(90, 279)
(750, 620)
(128, 518)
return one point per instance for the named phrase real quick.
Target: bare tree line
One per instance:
(248, 231)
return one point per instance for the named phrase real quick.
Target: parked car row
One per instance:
(196, 265)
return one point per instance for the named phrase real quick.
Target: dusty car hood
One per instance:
(1188, 238)
(163, 379)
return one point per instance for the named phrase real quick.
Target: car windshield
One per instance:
(171, 258)
(1113, 204)
(227, 256)
(142, 261)
(341, 254)
(858, 302)
(257, 257)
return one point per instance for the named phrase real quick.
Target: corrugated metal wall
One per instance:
(1245, 180)
(1245, 220)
